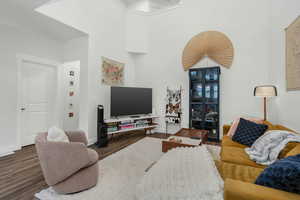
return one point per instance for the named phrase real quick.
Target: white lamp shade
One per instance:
(265, 91)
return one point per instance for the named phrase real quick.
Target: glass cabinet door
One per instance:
(197, 112)
(212, 92)
(211, 113)
(196, 75)
(212, 75)
(212, 120)
(197, 92)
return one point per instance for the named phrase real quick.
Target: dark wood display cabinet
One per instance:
(205, 100)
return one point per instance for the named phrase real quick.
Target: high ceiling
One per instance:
(27, 4)
(22, 15)
(154, 4)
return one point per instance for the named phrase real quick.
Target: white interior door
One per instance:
(38, 96)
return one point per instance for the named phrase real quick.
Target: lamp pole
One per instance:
(265, 108)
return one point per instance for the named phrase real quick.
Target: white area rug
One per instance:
(119, 173)
(182, 174)
(214, 151)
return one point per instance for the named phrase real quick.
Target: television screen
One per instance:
(130, 101)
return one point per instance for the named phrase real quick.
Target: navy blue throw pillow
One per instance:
(247, 132)
(283, 175)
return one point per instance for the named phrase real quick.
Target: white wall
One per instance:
(77, 49)
(244, 22)
(104, 21)
(136, 32)
(251, 25)
(283, 13)
(15, 41)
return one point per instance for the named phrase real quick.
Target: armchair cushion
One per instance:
(77, 136)
(93, 156)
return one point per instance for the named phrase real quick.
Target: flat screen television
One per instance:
(130, 101)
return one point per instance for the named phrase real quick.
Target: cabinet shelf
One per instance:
(211, 81)
(212, 103)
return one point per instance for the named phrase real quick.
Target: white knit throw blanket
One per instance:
(266, 148)
(182, 174)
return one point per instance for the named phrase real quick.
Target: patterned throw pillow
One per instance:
(283, 175)
(236, 122)
(247, 132)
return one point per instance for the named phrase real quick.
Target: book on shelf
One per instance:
(112, 129)
(141, 125)
(127, 126)
(112, 124)
(126, 122)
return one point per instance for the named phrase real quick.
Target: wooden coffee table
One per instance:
(186, 132)
(185, 135)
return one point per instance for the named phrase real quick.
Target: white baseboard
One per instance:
(159, 130)
(170, 130)
(92, 141)
(5, 151)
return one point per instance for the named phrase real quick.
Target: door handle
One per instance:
(23, 109)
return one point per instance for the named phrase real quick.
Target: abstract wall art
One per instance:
(112, 72)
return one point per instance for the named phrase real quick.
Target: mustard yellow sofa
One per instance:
(239, 172)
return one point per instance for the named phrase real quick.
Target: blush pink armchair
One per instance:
(68, 167)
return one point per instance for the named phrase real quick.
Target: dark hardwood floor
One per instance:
(21, 176)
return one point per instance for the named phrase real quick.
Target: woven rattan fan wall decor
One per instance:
(213, 44)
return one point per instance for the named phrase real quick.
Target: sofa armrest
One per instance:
(238, 190)
(60, 160)
(226, 128)
(77, 136)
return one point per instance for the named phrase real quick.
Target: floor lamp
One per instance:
(265, 91)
